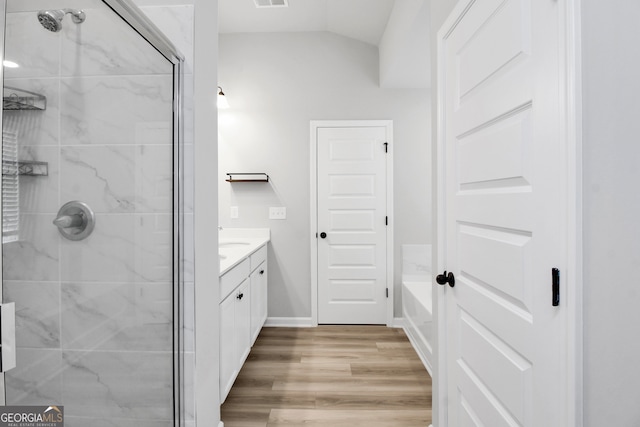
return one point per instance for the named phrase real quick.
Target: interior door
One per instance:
(505, 214)
(352, 240)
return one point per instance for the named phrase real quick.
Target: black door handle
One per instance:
(445, 278)
(323, 235)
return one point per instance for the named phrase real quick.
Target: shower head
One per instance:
(52, 19)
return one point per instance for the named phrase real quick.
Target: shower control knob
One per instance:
(75, 220)
(69, 221)
(445, 278)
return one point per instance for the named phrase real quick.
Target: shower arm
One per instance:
(77, 16)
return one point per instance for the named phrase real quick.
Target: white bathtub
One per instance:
(417, 312)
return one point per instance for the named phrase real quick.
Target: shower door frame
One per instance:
(3, 13)
(137, 20)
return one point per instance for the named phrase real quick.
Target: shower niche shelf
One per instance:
(18, 99)
(247, 177)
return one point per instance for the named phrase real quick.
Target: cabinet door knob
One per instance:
(261, 271)
(240, 295)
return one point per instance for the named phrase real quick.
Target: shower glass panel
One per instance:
(89, 116)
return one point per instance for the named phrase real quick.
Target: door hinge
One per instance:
(386, 220)
(387, 289)
(386, 147)
(555, 287)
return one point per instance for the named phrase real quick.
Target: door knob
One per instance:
(445, 278)
(323, 235)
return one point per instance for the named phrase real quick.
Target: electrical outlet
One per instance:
(278, 213)
(234, 212)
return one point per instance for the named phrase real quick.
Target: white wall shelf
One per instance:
(247, 177)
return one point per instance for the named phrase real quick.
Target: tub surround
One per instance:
(416, 263)
(417, 301)
(418, 319)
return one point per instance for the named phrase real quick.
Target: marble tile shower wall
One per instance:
(94, 317)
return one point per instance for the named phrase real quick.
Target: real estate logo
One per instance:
(31, 416)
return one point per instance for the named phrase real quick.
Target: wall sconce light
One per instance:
(223, 104)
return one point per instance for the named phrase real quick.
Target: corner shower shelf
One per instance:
(33, 168)
(26, 168)
(18, 99)
(247, 177)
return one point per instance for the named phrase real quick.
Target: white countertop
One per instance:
(236, 244)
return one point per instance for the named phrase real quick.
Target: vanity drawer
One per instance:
(258, 257)
(234, 277)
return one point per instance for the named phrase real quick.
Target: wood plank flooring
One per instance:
(330, 376)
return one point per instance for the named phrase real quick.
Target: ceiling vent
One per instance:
(271, 3)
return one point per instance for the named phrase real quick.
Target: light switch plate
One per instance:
(278, 213)
(234, 212)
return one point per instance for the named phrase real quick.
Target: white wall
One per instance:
(276, 83)
(611, 89)
(407, 33)
(207, 291)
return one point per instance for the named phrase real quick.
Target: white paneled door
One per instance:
(351, 218)
(505, 214)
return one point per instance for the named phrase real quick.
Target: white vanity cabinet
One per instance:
(243, 311)
(235, 323)
(229, 366)
(258, 291)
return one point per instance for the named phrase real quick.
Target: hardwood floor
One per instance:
(330, 376)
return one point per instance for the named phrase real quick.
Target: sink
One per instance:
(232, 244)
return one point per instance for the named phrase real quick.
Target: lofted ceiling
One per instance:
(399, 28)
(363, 20)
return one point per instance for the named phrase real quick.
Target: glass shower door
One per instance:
(89, 116)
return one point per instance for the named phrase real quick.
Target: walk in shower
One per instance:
(92, 212)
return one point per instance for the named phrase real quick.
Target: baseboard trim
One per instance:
(398, 322)
(306, 322)
(289, 322)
